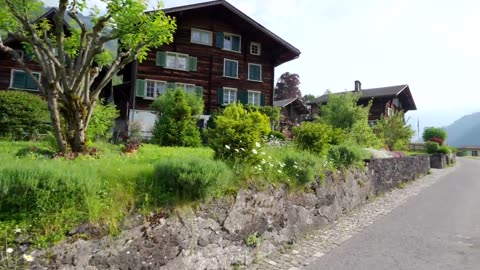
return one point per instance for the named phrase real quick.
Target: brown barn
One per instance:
(293, 111)
(385, 100)
(218, 52)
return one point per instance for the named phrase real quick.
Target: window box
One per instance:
(230, 68)
(254, 72)
(19, 79)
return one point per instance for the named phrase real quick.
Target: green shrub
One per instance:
(277, 134)
(103, 119)
(314, 137)
(462, 153)
(444, 149)
(434, 134)
(176, 124)
(301, 166)
(344, 156)
(394, 132)
(186, 179)
(432, 147)
(22, 115)
(238, 134)
(362, 134)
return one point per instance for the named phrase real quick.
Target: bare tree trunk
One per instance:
(56, 121)
(76, 136)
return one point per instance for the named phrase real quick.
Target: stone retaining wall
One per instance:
(213, 235)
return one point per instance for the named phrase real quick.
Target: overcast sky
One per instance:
(431, 45)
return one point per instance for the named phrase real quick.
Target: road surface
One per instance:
(438, 229)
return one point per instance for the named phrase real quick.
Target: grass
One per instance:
(46, 198)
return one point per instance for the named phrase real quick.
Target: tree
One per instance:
(434, 134)
(288, 86)
(394, 132)
(309, 97)
(72, 60)
(176, 124)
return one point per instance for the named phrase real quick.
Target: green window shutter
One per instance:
(226, 68)
(19, 79)
(220, 96)
(171, 86)
(262, 99)
(199, 91)
(192, 63)
(255, 73)
(30, 83)
(236, 43)
(219, 37)
(161, 59)
(242, 96)
(140, 88)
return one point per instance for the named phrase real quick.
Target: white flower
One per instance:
(295, 162)
(263, 153)
(270, 157)
(236, 150)
(281, 164)
(28, 258)
(254, 151)
(227, 146)
(295, 166)
(242, 149)
(257, 144)
(9, 250)
(279, 171)
(263, 161)
(18, 230)
(271, 165)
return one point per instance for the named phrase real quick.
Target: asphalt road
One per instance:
(438, 229)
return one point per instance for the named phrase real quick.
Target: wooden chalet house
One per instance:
(385, 100)
(218, 52)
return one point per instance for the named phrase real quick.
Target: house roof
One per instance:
(387, 91)
(296, 103)
(294, 51)
(469, 147)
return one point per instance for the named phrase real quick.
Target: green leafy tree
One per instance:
(309, 97)
(103, 119)
(342, 111)
(394, 132)
(176, 124)
(272, 112)
(71, 61)
(435, 134)
(238, 134)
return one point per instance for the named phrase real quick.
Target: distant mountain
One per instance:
(464, 131)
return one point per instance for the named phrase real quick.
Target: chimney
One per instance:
(358, 86)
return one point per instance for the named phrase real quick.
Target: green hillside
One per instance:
(464, 131)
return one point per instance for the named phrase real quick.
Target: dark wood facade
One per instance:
(216, 17)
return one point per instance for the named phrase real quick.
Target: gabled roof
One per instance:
(261, 28)
(469, 147)
(295, 102)
(387, 91)
(283, 102)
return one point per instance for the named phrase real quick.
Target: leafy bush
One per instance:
(314, 137)
(103, 119)
(431, 132)
(22, 115)
(462, 153)
(273, 113)
(444, 149)
(432, 147)
(344, 156)
(393, 131)
(176, 124)
(238, 134)
(277, 134)
(362, 134)
(186, 179)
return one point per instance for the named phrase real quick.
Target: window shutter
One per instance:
(171, 86)
(219, 37)
(192, 63)
(234, 69)
(242, 96)
(140, 88)
(236, 43)
(161, 59)
(262, 99)
(226, 68)
(29, 82)
(220, 96)
(18, 80)
(199, 91)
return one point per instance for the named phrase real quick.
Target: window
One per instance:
(254, 98)
(229, 95)
(189, 88)
(201, 37)
(177, 61)
(21, 80)
(255, 48)
(228, 41)
(475, 153)
(255, 72)
(154, 89)
(230, 68)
